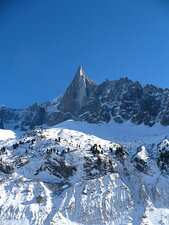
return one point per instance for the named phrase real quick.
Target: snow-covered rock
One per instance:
(66, 176)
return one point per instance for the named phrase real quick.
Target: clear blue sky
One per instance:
(42, 42)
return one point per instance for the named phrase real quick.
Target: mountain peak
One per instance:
(80, 75)
(80, 71)
(77, 92)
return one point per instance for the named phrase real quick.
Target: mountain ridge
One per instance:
(119, 100)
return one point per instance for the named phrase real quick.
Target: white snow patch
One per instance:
(6, 134)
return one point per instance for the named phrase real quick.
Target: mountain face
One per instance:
(23, 119)
(77, 94)
(120, 100)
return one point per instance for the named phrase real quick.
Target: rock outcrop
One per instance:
(77, 94)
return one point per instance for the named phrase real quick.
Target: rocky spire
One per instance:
(80, 74)
(77, 93)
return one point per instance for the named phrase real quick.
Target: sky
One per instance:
(42, 43)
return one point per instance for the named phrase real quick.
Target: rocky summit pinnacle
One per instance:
(80, 73)
(77, 93)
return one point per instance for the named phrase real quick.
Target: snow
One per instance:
(122, 196)
(124, 133)
(143, 154)
(15, 222)
(6, 134)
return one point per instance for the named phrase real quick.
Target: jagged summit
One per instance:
(81, 77)
(77, 93)
(118, 100)
(80, 73)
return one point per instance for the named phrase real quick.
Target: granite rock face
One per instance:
(118, 100)
(23, 119)
(77, 94)
(163, 155)
(123, 100)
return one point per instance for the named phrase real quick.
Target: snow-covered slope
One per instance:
(80, 173)
(124, 133)
(6, 134)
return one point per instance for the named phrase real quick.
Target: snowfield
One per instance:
(124, 133)
(6, 134)
(80, 173)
